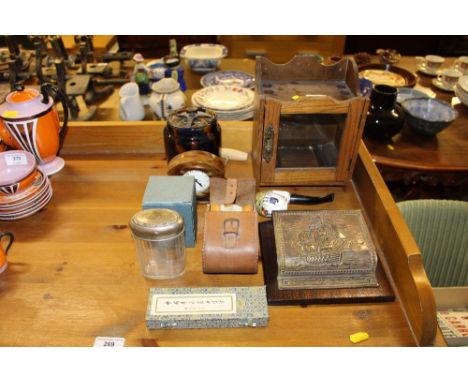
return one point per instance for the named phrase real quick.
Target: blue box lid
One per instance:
(169, 189)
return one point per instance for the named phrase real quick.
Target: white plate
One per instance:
(463, 83)
(236, 118)
(224, 98)
(228, 77)
(237, 115)
(439, 84)
(462, 97)
(236, 111)
(422, 68)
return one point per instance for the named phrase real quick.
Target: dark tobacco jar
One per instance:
(191, 128)
(385, 117)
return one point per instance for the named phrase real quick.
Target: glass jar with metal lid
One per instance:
(159, 240)
(191, 128)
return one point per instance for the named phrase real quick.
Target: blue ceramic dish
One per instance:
(203, 58)
(156, 69)
(228, 77)
(365, 86)
(427, 116)
(407, 93)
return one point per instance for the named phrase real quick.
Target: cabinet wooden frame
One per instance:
(269, 111)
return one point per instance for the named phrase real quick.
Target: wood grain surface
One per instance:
(73, 272)
(447, 151)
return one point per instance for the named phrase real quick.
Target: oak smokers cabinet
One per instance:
(308, 122)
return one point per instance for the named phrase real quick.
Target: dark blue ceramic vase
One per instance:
(385, 117)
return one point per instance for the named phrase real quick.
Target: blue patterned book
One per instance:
(185, 308)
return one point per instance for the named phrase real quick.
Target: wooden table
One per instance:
(415, 166)
(74, 275)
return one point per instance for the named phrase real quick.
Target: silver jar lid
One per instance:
(156, 224)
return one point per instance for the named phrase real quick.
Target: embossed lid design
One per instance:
(157, 224)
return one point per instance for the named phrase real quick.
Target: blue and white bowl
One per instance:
(407, 93)
(427, 116)
(365, 86)
(156, 69)
(203, 58)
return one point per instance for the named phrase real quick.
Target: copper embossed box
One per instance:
(324, 249)
(308, 122)
(211, 307)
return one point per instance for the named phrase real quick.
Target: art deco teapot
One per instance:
(29, 121)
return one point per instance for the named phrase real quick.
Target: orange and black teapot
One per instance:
(29, 121)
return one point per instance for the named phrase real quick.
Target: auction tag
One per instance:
(17, 159)
(109, 342)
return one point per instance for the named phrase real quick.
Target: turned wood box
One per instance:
(308, 122)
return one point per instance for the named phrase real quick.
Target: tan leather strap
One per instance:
(231, 191)
(231, 232)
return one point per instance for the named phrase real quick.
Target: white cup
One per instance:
(131, 106)
(432, 62)
(449, 77)
(462, 64)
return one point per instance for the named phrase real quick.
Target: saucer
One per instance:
(461, 96)
(228, 77)
(438, 84)
(222, 98)
(463, 83)
(422, 68)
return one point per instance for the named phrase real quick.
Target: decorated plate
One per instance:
(31, 211)
(6, 209)
(228, 77)
(461, 96)
(463, 83)
(222, 97)
(387, 75)
(37, 185)
(425, 70)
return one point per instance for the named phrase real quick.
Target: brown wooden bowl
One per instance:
(196, 160)
(409, 77)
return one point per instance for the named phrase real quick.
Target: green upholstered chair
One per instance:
(440, 228)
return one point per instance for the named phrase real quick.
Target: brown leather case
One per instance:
(230, 238)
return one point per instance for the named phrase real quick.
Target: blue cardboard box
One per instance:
(175, 193)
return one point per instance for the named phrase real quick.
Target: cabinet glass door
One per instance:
(309, 140)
